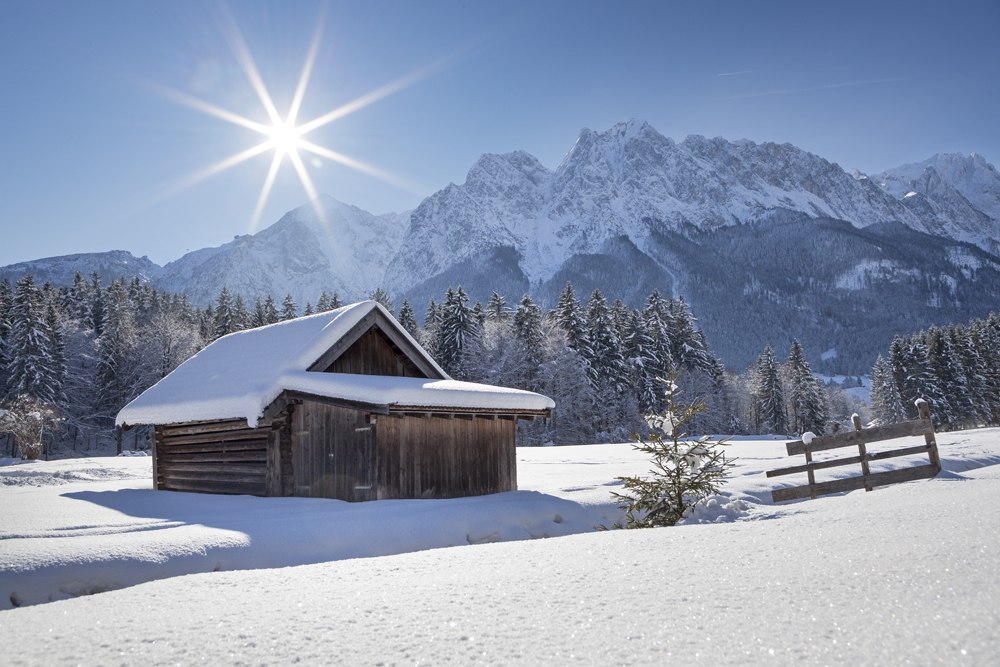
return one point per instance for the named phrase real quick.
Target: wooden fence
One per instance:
(859, 438)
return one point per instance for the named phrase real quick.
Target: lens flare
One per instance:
(284, 135)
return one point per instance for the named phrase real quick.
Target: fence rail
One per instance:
(860, 437)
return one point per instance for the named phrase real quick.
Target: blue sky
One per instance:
(96, 153)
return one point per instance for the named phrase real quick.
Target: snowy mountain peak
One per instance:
(959, 195)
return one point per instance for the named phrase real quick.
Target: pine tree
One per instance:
(688, 348)
(29, 350)
(606, 361)
(223, 322)
(947, 367)
(97, 308)
(685, 473)
(308, 310)
(57, 354)
(323, 304)
(887, 405)
(569, 315)
(496, 308)
(806, 396)
(530, 340)
(457, 333)
(769, 401)
(257, 317)
(382, 297)
(407, 319)
(974, 373)
(6, 303)
(915, 377)
(271, 312)
(118, 372)
(289, 310)
(241, 316)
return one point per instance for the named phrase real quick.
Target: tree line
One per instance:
(955, 368)
(88, 349)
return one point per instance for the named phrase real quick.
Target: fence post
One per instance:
(863, 451)
(924, 412)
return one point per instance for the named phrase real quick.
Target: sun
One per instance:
(285, 137)
(283, 134)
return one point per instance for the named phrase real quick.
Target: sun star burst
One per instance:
(285, 136)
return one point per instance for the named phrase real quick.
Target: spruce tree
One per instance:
(323, 304)
(458, 333)
(29, 350)
(887, 405)
(608, 370)
(685, 473)
(96, 304)
(258, 318)
(308, 310)
(382, 297)
(569, 314)
(496, 308)
(289, 310)
(530, 341)
(806, 395)
(769, 401)
(271, 311)
(223, 322)
(118, 371)
(6, 303)
(241, 316)
(407, 319)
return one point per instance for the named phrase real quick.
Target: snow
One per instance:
(239, 375)
(414, 392)
(808, 437)
(853, 578)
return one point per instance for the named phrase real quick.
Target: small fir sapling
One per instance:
(685, 471)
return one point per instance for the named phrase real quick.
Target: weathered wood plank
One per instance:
(242, 456)
(171, 468)
(834, 463)
(854, 438)
(192, 428)
(226, 436)
(213, 478)
(231, 488)
(215, 447)
(853, 483)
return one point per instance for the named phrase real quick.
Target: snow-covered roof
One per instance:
(238, 376)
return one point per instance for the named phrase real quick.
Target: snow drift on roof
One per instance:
(239, 375)
(415, 392)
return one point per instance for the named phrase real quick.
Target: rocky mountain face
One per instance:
(338, 248)
(766, 241)
(60, 270)
(953, 195)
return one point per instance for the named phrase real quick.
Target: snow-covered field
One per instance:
(904, 574)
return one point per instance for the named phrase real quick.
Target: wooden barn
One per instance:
(343, 404)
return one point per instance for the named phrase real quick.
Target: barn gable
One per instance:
(376, 346)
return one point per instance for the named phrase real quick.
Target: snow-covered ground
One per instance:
(904, 574)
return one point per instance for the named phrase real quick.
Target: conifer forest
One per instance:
(80, 353)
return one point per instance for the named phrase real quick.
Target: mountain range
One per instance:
(766, 241)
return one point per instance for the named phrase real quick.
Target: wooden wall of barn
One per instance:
(217, 457)
(333, 452)
(440, 457)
